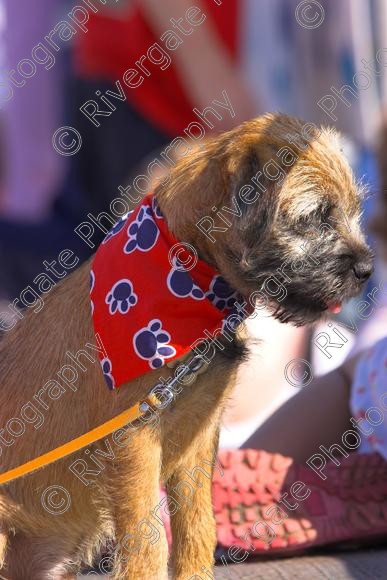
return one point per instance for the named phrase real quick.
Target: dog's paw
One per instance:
(221, 294)
(121, 297)
(107, 373)
(180, 283)
(151, 344)
(143, 232)
(117, 228)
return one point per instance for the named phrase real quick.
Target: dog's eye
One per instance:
(323, 213)
(345, 257)
(319, 214)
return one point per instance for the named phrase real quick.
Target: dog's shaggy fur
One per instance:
(317, 186)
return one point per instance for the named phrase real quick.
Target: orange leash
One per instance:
(79, 443)
(158, 398)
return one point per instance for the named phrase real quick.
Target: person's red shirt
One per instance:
(112, 46)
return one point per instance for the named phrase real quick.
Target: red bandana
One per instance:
(147, 307)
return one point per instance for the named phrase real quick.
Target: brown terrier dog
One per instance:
(294, 210)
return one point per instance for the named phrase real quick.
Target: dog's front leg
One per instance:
(142, 550)
(192, 519)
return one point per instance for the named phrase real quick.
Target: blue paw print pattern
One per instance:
(92, 280)
(221, 294)
(232, 321)
(151, 344)
(121, 297)
(180, 283)
(117, 228)
(143, 232)
(92, 284)
(156, 209)
(107, 373)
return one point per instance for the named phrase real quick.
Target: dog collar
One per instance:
(152, 300)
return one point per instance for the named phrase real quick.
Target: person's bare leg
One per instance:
(318, 415)
(249, 400)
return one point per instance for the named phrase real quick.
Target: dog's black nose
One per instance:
(363, 270)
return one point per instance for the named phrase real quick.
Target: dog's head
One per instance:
(274, 206)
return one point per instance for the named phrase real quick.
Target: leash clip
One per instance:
(163, 394)
(160, 396)
(196, 363)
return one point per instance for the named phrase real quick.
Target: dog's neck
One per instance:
(182, 223)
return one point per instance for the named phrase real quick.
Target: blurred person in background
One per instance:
(34, 170)
(159, 104)
(34, 174)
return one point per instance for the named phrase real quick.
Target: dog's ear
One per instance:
(253, 196)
